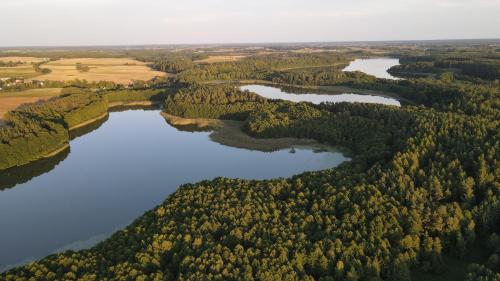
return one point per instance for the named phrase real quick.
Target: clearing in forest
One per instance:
(214, 59)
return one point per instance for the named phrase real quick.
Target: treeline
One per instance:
(10, 63)
(213, 101)
(172, 64)
(37, 130)
(258, 67)
(318, 77)
(128, 96)
(38, 68)
(444, 93)
(483, 63)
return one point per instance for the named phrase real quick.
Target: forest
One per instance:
(422, 186)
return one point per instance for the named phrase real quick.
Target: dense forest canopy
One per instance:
(423, 185)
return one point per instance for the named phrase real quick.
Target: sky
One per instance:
(138, 22)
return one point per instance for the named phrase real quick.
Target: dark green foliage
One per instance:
(16, 175)
(125, 96)
(479, 62)
(481, 273)
(258, 67)
(82, 68)
(10, 63)
(37, 130)
(39, 69)
(172, 64)
(213, 101)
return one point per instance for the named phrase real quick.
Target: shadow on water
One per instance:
(76, 133)
(17, 175)
(122, 108)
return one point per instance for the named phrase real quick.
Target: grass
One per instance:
(22, 71)
(27, 60)
(118, 70)
(230, 133)
(12, 100)
(214, 59)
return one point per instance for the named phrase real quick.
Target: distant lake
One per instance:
(115, 173)
(374, 66)
(277, 93)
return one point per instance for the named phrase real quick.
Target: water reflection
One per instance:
(374, 66)
(277, 93)
(115, 173)
(17, 175)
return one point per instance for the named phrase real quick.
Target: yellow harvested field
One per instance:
(11, 100)
(22, 59)
(214, 59)
(118, 70)
(21, 71)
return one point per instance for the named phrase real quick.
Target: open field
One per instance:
(214, 59)
(27, 60)
(11, 100)
(22, 71)
(122, 71)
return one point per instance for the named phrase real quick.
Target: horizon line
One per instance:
(346, 42)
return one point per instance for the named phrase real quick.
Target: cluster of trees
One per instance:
(36, 130)
(127, 96)
(213, 101)
(10, 63)
(38, 68)
(318, 77)
(258, 67)
(173, 64)
(483, 63)
(82, 68)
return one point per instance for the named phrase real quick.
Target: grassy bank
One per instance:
(231, 133)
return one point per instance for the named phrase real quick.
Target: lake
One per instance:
(374, 66)
(277, 93)
(112, 175)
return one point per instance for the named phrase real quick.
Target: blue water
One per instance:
(117, 172)
(374, 66)
(277, 93)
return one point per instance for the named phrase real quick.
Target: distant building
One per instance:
(38, 83)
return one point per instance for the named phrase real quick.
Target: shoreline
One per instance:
(231, 133)
(51, 154)
(83, 124)
(327, 90)
(133, 103)
(88, 122)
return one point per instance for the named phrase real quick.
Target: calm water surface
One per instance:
(117, 172)
(277, 93)
(374, 66)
